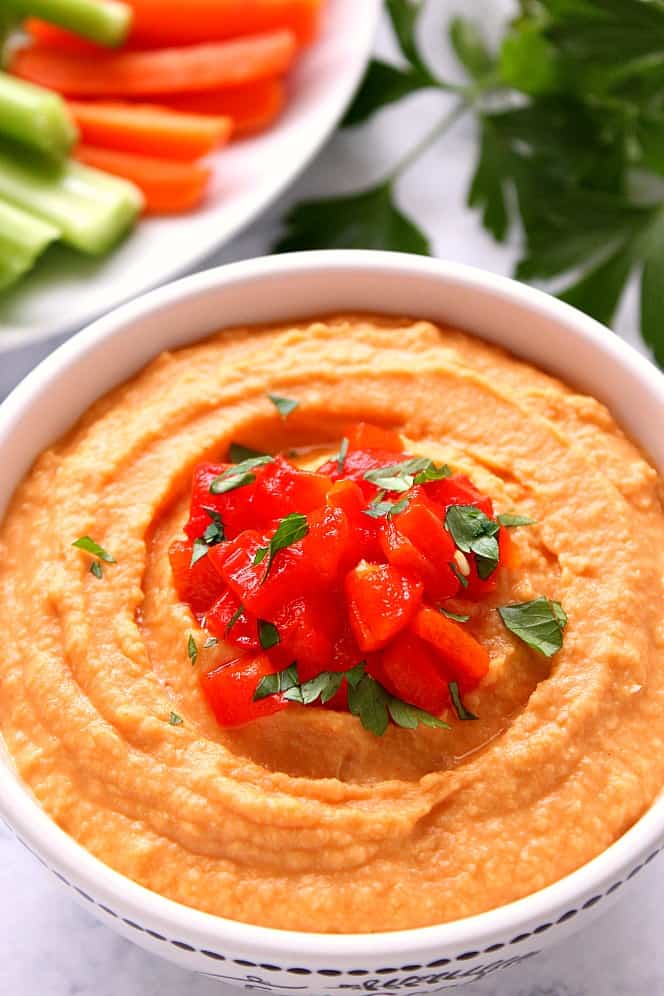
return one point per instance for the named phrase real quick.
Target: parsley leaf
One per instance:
(97, 569)
(175, 720)
(89, 545)
(343, 452)
(291, 529)
(470, 48)
(433, 473)
(510, 520)
(457, 702)
(213, 535)
(368, 220)
(539, 623)
(404, 15)
(211, 641)
(367, 699)
(463, 581)
(274, 684)
(379, 509)
(192, 649)
(455, 616)
(268, 634)
(474, 532)
(238, 476)
(398, 476)
(384, 84)
(283, 405)
(237, 453)
(234, 618)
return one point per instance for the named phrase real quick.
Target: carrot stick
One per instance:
(51, 36)
(149, 130)
(168, 187)
(169, 70)
(186, 22)
(252, 106)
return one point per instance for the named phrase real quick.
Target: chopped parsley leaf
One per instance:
(88, 544)
(457, 702)
(283, 405)
(539, 624)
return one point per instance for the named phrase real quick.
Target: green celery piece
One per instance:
(91, 209)
(106, 22)
(35, 117)
(22, 239)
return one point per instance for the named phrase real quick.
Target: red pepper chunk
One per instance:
(423, 527)
(458, 490)
(381, 601)
(365, 436)
(199, 586)
(409, 669)
(282, 488)
(244, 631)
(229, 690)
(463, 657)
(235, 507)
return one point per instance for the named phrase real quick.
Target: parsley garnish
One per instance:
(175, 720)
(211, 641)
(398, 477)
(238, 476)
(268, 634)
(89, 545)
(283, 405)
(474, 532)
(97, 569)
(510, 520)
(539, 624)
(343, 452)
(291, 529)
(379, 509)
(570, 152)
(463, 581)
(433, 473)
(234, 618)
(192, 649)
(213, 535)
(237, 453)
(457, 702)
(367, 699)
(453, 615)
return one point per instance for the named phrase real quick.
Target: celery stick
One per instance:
(91, 209)
(106, 22)
(22, 239)
(36, 117)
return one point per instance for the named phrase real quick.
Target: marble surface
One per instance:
(50, 946)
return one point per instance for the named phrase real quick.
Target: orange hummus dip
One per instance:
(305, 820)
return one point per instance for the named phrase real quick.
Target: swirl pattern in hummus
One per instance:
(304, 820)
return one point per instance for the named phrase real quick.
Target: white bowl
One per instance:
(534, 326)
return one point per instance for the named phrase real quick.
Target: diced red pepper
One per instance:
(381, 601)
(234, 507)
(463, 657)
(329, 543)
(365, 436)
(423, 527)
(458, 490)
(402, 553)
(409, 669)
(199, 586)
(349, 496)
(356, 465)
(229, 689)
(509, 551)
(282, 489)
(306, 635)
(244, 631)
(263, 591)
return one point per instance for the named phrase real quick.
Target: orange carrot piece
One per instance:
(252, 107)
(168, 187)
(169, 70)
(187, 22)
(149, 130)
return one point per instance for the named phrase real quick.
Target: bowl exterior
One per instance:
(539, 329)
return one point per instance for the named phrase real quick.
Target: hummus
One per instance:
(305, 820)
